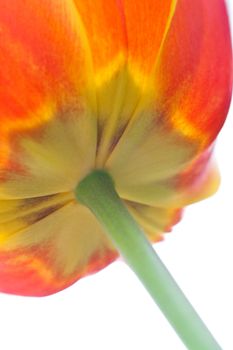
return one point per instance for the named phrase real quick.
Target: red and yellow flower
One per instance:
(139, 88)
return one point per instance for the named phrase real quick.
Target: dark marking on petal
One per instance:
(41, 214)
(37, 200)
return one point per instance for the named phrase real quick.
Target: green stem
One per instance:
(97, 192)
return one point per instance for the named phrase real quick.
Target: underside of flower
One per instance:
(140, 89)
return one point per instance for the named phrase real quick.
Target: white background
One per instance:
(112, 311)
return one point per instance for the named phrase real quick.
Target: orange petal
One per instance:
(147, 24)
(47, 99)
(125, 38)
(48, 243)
(187, 103)
(104, 25)
(105, 29)
(194, 75)
(44, 56)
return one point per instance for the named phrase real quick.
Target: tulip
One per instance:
(134, 92)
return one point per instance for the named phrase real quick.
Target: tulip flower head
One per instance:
(137, 88)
